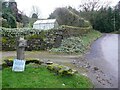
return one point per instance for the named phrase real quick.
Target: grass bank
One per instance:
(41, 78)
(77, 45)
(0, 80)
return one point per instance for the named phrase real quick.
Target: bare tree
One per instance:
(92, 5)
(35, 11)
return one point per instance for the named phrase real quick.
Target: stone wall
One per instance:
(45, 39)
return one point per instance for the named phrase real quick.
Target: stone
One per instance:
(96, 68)
(60, 69)
(21, 44)
(74, 61)
(36, 61)
(49, 62)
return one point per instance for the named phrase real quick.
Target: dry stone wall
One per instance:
(40, 39)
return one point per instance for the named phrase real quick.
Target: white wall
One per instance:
(44, 26)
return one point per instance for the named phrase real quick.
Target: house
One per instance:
(45, 24)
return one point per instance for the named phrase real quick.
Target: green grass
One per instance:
(116, 32)
(88, 39)
(0, 79)
(41, 78)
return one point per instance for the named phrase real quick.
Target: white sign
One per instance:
(18, 65)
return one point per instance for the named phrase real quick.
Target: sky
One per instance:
(46, 7)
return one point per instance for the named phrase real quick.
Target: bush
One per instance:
(4, 23)
(8, 44)
(65, 16)
(70, 45)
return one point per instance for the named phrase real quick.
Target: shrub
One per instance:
(4, 23)
(65, 16)
(70, 45)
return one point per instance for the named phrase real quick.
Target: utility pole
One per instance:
(114, 22)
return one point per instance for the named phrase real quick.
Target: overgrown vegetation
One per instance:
(77, 44)
(101, 16)
(39, 39)
(66, 17)
(40, 77)
(10, 14)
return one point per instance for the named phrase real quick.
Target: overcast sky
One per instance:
(48, 6)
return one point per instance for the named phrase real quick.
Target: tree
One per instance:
(11, 13)
(103, 21)
(73, 10)
(6, 14)
(34, 16)
(66, 17)
(35, 12)
(117, 17)
(89, 8)
(10, 19)
(1, 1)
(102, 17)
(92, 5)
(14, 10)
(25, 20)
(117, 7)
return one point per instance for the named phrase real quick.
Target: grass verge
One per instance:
(41, 78)
(0, 79)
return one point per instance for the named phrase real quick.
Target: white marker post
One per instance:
(19, 63)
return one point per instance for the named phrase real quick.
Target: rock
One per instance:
(36, 61)
(87, 66)
(96, 68)
(49, 63)
(60, 69)
(63, 84)
(74, 61)
(97, 76)
(101, 71)
(75, 71)
(103, 84)
(84, 74)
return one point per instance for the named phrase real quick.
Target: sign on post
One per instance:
(18, 65)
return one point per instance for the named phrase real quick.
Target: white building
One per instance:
(45, 24)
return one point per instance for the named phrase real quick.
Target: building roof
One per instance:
(45, 21)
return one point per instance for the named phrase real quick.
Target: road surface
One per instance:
(104, 56)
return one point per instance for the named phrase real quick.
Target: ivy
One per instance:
(14, 32)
